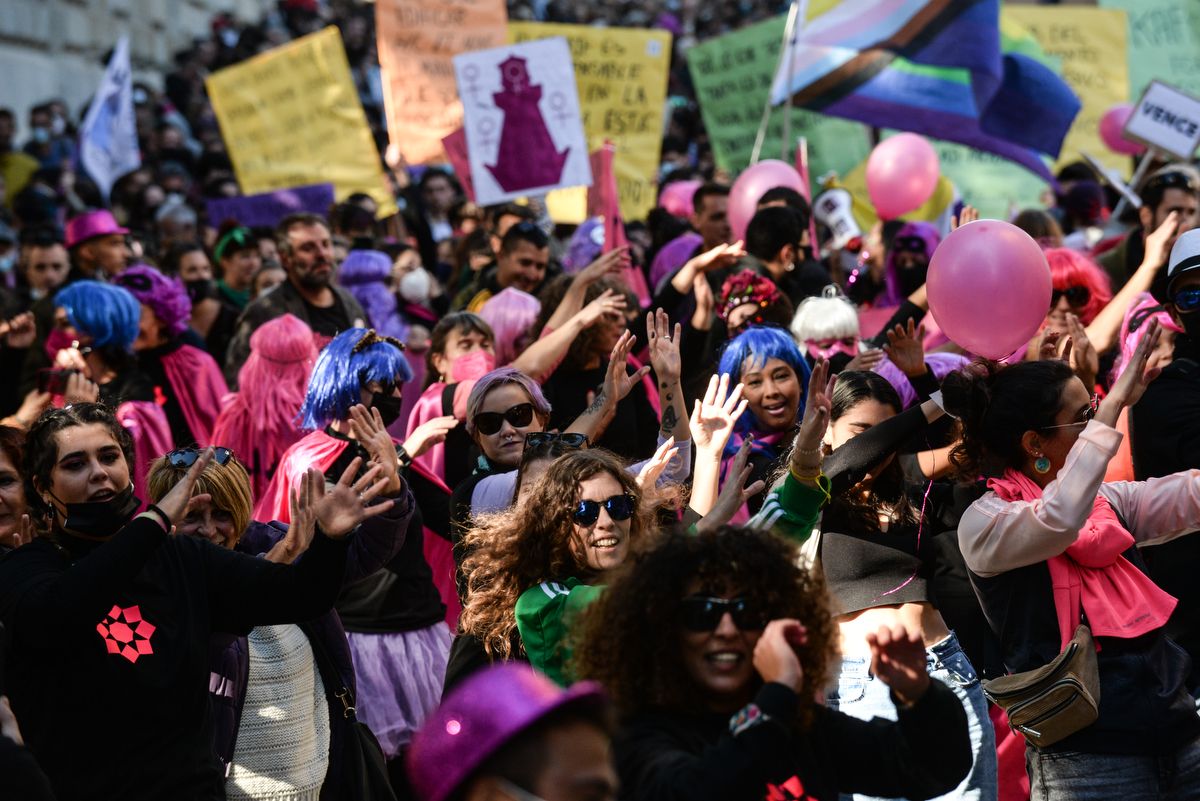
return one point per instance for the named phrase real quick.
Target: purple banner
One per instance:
(268, 208)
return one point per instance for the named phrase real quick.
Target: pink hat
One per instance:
(479, 717)
(91, 225)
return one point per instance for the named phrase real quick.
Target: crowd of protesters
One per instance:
(436, 506)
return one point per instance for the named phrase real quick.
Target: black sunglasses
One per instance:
(186, 457)
(619, 507)
(909, 244)
(699, 613)
(519, 416)
(1187, 300)
(531, 233)
(537, 439)
(1076, 296)
(1169, 180)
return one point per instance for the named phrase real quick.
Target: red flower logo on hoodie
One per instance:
(791, 790)
(126, 633)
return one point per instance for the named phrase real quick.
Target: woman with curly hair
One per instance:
(531, 569)
(714, 649)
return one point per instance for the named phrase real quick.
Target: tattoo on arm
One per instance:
(669, 419)
(597, 404)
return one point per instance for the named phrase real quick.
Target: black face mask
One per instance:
(838, 362)
(101, 519)
(912, 278)
(388, 406)
(200, 289)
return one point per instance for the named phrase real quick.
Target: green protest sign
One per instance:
(1164, 43)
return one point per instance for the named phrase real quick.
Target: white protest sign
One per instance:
(521, 115)
(1167, 119)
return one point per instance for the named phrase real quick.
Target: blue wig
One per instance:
(343, 369)
(106, 313)
(758, 344)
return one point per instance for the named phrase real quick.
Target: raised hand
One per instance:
(906, 350)
(617, 384)
(818, 409)
(775, 656)
(734, 494)
(301, 529)
(81, 389)
(1158, 242)
(718, 258)
(1129, 387)
(610, 302)
(865, 360)
(714, 416)
(607, 264)
(898, 660)
(341, 508)
(1082, 357)
(969, 215)
(428, 434)
(367, 427)
(647, 477)
(706, 304)
(663, 347)
(177, 500)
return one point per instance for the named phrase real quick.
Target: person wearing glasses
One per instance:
(523, 261)
(530, 569)
(109, 616)
(715, 647)
(275, 673)
(1170, 201)
(1051, 545)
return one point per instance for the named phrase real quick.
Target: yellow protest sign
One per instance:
(1092, 44)
(417, 42)
(621, 77)
(291, 117)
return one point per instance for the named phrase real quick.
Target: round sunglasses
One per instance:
(519, 416)
(1187, 300)
(619, 507)
(701, 614)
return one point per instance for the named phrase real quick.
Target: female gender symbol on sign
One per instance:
(527, 155)
(560, 107)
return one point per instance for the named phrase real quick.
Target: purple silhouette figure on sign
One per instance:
(527, 157)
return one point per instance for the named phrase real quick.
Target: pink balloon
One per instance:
(676, 197)
(902, 173)
(989, 287)
(752, 184)
(1112, 124)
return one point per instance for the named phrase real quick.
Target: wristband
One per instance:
(802, 477)
(403, 456)
(163, 519)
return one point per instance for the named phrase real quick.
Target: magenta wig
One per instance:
(260, 423)
(164, 296)
(1143, 309)
(893, 295)
(510, 313)
(1070, 268)
(365, 275)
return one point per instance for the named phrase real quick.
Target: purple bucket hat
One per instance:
(91, 225)
(479, 717)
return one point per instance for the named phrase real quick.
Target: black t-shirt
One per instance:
(633, 432)
(107, 656)
(329, 320)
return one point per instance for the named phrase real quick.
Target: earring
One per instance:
(1042, 465)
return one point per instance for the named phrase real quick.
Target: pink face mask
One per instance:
(58, 339)
(472, 367)
(826, 348)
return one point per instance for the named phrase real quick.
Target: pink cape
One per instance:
(428, 407)
(147, 425)
(197, 383)
(318, 450)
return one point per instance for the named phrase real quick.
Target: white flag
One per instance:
(108, 144)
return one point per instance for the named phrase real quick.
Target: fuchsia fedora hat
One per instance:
(90, 225)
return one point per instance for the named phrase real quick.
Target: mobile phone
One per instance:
(54, 381)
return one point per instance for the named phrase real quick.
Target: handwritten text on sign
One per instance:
(418, 40)
(1167, 119)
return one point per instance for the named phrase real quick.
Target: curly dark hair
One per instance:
(629, 640)
(551, 297)
(534, 542)
(41, 444)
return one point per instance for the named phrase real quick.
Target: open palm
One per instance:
(713, 417)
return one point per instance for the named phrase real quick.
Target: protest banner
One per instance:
(1167, 119)
(1092, 46)
(291, 117)
(521, 116)
(732, 75)
(268, 208)
(1164, 43)
(108, 141)
(417, 40)
(621, 76)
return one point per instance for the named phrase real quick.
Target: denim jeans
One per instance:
(861, 695)
(1075, 776)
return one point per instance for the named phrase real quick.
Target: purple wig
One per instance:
(164, 296)
(585, 245)
(942, 364)
(498, 378)
(510, 313)
(365, 273)
(893, 295)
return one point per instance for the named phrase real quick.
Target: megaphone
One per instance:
(833, 209)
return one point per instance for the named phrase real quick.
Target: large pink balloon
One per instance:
(902, 173)
(989, 287)
(752, 184)
(1111, 126)
(676, 197)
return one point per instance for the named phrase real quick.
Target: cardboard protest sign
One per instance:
(732, 75)
(1164, 43)
(521, 115)
(621, 75)
(268, 208)
(291, 117)
(417, 40)
(1092, 46)
(1166, 118)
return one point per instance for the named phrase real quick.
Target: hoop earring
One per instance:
(1042, 465)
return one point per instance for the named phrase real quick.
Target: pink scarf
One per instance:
(1092, 575)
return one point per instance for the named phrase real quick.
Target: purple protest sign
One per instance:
(268, 208)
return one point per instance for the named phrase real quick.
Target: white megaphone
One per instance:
(832, 208)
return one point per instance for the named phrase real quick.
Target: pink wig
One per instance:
(510, 313)
(1069, 268)
(1139, 314)
(260, 423)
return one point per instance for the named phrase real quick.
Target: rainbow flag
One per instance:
(934, 67)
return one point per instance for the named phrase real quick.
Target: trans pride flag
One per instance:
(934, 67)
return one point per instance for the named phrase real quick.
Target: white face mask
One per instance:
(416, 285)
